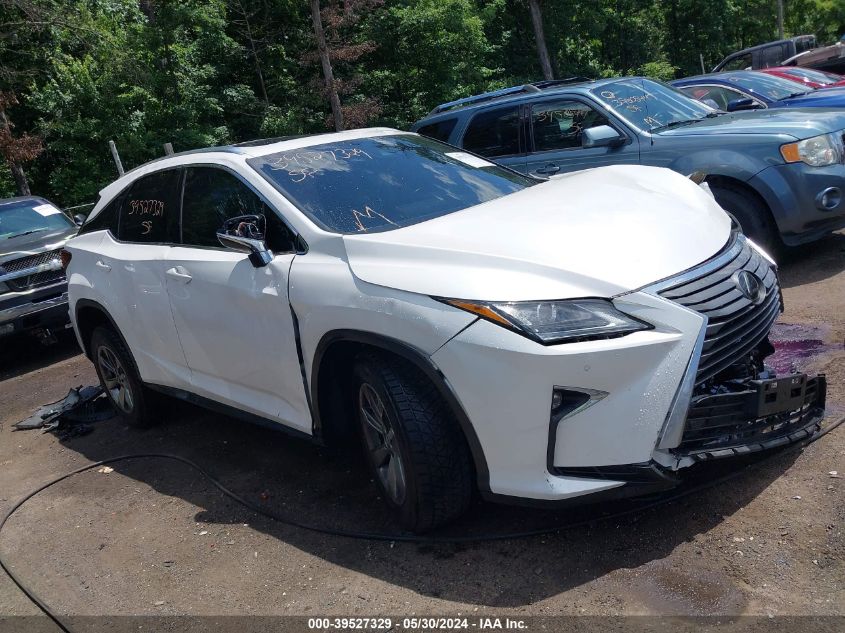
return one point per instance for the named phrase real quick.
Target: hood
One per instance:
(12, 248)
(824, 98)
(600, 232)
(797, 123)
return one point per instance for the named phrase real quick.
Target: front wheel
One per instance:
(414, 447)
(752, 215)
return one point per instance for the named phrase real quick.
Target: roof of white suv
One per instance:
(249, 149)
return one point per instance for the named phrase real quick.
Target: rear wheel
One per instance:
(119, 378)
(752, 215)
(416, 452)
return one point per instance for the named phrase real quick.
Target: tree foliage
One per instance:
(78, 73)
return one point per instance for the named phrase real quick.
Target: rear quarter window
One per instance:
(106, 219)
(441, 130)
(150, 209)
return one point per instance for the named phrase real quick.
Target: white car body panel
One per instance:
(598, 232)
(234, 320)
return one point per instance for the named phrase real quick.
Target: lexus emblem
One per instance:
(750, 286)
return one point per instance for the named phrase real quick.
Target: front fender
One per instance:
(720, 162)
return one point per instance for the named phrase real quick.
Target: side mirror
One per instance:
(602, 136)
(742, 104)
(79, 219)
(245, 234)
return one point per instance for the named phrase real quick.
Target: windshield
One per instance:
(650, 105)
(385, 182)
(771, 88)
(22, 217)
(817, 76)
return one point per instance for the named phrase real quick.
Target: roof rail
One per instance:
(536, 86)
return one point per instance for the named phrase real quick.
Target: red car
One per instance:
(807, 76)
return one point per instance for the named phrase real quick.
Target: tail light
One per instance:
(66, 257)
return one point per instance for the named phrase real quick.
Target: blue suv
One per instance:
(781, 172)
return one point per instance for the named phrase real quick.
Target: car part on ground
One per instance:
(547, 338)
(76, 401)
(33, 288)
(547, 134)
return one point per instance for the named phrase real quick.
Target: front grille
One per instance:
(720, 425)
(735, 326)
(37, 279)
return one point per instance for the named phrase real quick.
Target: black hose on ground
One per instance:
(372, 536)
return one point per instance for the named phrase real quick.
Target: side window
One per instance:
(494, 132)
(560, 124)
(213, 196)
(743, 62)
(772, 56)
(150, 209)
(105, 219)
(440, 130)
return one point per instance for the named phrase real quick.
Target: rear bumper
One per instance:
(41, 308)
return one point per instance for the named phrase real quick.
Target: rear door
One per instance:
(498, 134)
(129, 275)
(234, 320)
(556, 136)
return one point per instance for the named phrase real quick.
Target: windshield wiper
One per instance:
(25, 233)
(672, 124)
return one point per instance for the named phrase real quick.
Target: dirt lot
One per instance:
(152, 537)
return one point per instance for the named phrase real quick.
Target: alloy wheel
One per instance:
(382, 443)
(115, 379)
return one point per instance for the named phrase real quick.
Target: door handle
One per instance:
(179, 273)
(101, 264)
(551, 168)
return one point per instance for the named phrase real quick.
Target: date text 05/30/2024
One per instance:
(416, 624)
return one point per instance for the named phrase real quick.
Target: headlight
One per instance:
(549, 322)
(817, 151)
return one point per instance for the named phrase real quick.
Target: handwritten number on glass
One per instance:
(308, 164)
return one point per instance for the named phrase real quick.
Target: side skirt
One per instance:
(233, 412)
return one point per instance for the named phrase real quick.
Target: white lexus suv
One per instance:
(475, 328)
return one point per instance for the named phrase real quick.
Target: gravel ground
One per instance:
(152, 537)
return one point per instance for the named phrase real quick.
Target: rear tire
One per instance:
(752, 215)
(416, 452)
(119, 378)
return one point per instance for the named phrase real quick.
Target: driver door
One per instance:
(233, 319)
(557, 135)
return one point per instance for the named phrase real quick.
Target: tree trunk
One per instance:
(780, 19)
(326, 63)
(20, 179)
(540, 38)
(261, 84)
(15, 167)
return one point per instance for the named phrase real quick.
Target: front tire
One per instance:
(752, 215)
(416, 452)
(120, 379)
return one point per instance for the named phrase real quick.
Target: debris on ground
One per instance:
(106, 470)
(70, 416)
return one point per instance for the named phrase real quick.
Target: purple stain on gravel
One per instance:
(796, 346)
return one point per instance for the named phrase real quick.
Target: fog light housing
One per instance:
(829, 199)
(566, 402)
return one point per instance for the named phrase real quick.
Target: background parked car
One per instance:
(750, 90)
(33, 288)
(780, 173)
(807, 76)
(768, 54)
